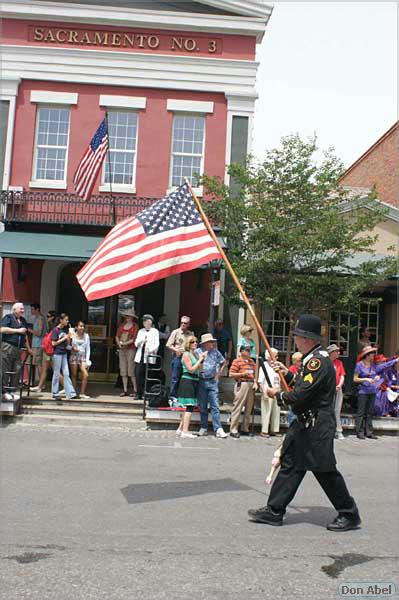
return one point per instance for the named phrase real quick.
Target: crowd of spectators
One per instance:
(196, 368)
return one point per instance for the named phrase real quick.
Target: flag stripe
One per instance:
(142, 261)
(167, 266)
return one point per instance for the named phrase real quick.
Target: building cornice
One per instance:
(251, 8)
(63, 12)
(101, 67)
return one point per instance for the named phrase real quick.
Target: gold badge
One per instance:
(314, 364)
(309, 377)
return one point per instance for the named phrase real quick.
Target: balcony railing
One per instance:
(68, 209)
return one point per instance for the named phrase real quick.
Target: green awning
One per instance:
(50, 246)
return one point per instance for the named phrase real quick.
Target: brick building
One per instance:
(178, 83)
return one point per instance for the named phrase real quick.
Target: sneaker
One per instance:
(339, 436)
(16, 396)
(7, 397)
(85, 397)
(73, 397)
(220, 433)
(202, 432)
(62, 393)
(178, 432)
(36, 389)
(187, 434)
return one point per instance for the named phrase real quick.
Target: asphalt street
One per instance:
(94, 513)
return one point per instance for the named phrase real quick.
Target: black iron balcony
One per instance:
(55, 208)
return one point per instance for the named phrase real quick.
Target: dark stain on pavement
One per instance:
(170, 490)
(343, 562)
(28, 557)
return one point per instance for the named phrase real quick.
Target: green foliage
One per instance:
(292, 240)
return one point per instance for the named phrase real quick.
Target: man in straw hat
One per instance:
(208, 383)
(309, 443)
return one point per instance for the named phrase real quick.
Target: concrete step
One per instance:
(90, 402)
(131, 423)
(68, 407)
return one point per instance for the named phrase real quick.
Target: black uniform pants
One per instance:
(364, 414)
(140, 378)
(288, 481)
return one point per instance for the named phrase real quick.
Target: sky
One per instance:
(328, 68)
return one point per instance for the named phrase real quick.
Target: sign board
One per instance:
(97, 332)
(216, 293)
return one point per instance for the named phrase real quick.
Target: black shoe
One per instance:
(361, 436)
(244, 433)
(345, 522)
(371, 436)
(235, 435)
(265, 515)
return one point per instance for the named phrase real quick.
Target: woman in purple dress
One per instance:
(369, 376)
(385, 402)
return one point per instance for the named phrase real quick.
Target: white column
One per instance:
(49, 287)
(241, 106)
(8, 92)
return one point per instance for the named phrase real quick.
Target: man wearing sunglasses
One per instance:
(175, 344)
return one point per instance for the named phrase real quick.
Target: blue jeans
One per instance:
(60, 363)
(291, 417)
(208, 393)
(177, 370)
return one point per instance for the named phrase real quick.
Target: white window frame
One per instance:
(341, 314)
(188, 108)
(121, 187)
(362, 316)
(56, 184)
(270, 322)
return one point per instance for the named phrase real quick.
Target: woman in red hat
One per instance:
(369, 376)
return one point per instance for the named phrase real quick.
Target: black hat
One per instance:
(308, 326)
(245, 347)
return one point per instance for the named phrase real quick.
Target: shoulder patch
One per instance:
(308, 377)
(314, 364)
(324, 353)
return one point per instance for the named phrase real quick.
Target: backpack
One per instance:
(47, 345)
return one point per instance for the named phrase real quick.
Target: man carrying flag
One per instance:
(91, 162)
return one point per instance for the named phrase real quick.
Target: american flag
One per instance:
(87, 171)
(167, 238)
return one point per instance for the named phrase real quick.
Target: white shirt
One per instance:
(150, 338)
(273, 376)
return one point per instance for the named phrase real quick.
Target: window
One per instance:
(51, 147)
(369, 319)
(276, 326)
(122, 130)
(339, 328)
(188, 139)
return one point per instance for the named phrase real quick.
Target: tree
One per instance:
(289, 239)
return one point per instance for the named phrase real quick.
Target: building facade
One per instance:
(177, 83)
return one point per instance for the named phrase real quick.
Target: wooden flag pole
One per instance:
(235, 278)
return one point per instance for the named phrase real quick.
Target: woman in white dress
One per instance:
(80, 357)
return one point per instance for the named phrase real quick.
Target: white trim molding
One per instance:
(190, 106)
(134, 102)
(44, 97)
(201, 74)
(48, 184)
(253, 24)
(117, 187)
(8, 93)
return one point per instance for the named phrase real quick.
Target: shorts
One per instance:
(37, 356)
(76, 358)
(126, 362)
(46, 357)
